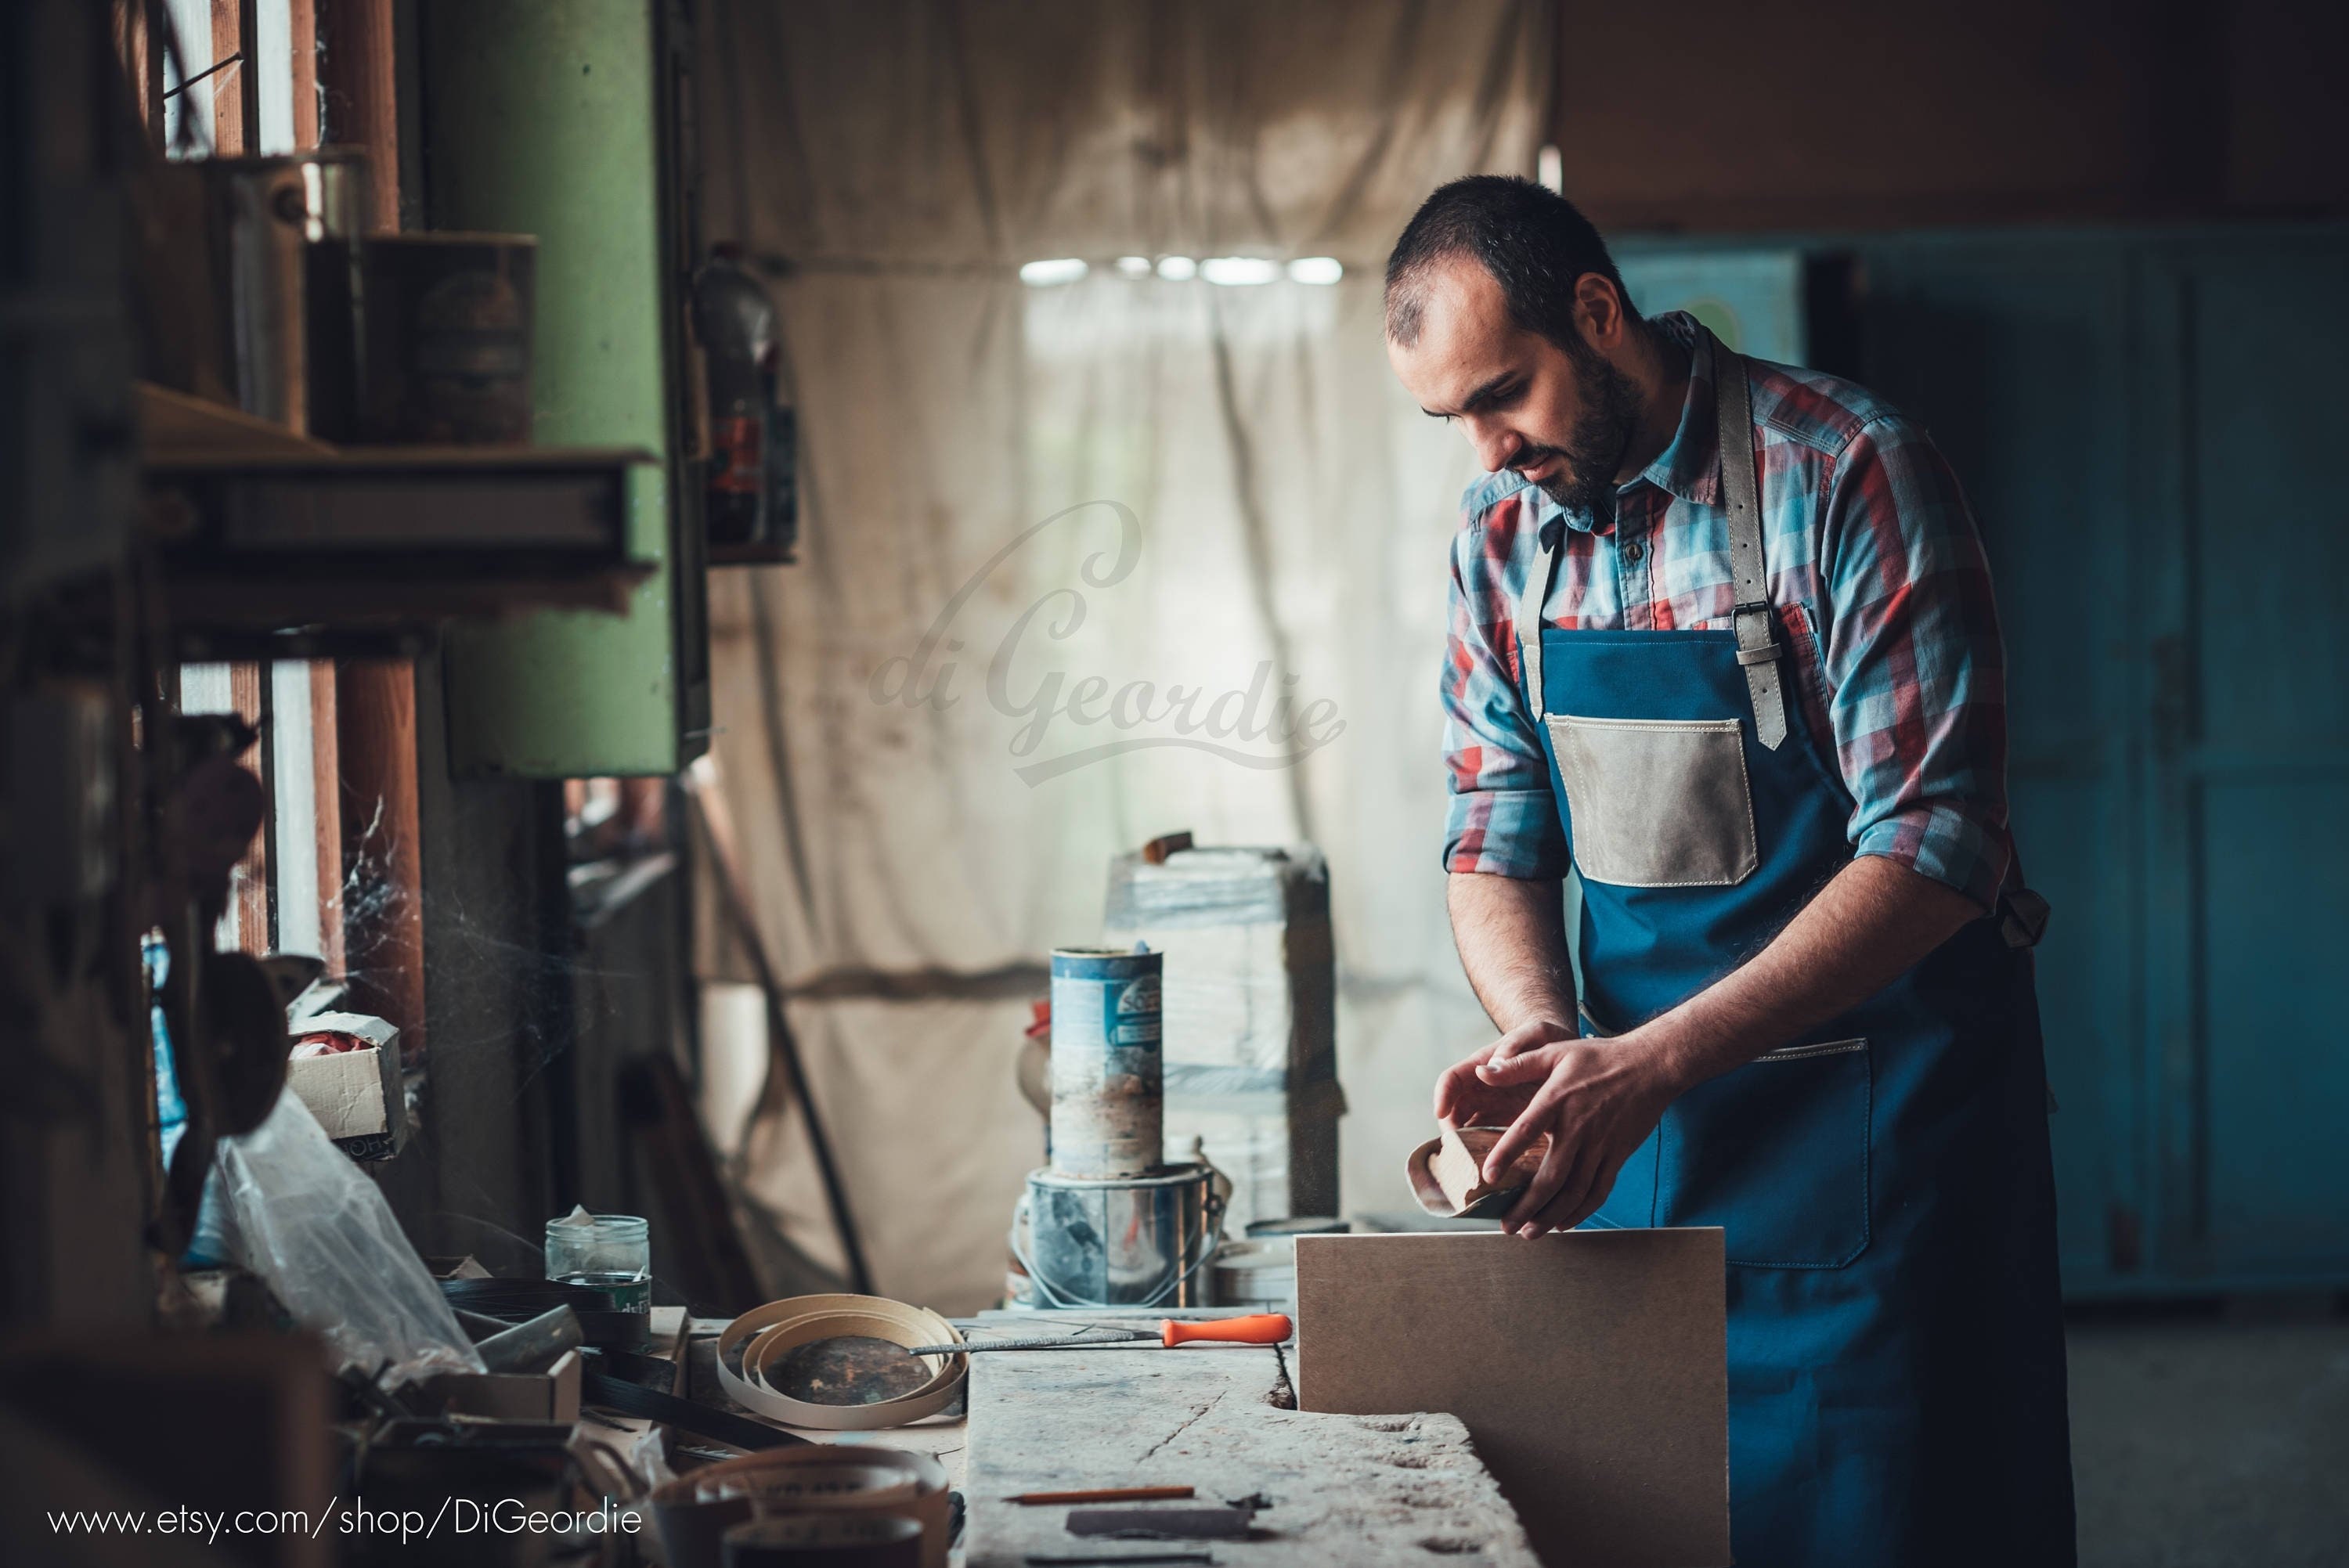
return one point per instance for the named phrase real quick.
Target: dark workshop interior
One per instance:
(756, 765)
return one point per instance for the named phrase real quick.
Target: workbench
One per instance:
(1353, 1489)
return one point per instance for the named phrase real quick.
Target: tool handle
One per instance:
(1264, 1328)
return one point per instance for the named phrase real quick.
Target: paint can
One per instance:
(1108, 1109)
(446, 347)
(1142, 1242)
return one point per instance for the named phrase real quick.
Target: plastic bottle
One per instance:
(736, 319)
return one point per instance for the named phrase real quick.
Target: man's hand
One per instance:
(1466, 1097)
(1597, 1100)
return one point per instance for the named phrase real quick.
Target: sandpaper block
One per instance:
(1457, 1165)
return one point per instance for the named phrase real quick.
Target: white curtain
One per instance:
(1057, 531)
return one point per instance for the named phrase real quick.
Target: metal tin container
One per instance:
(1144, 1241)
(448, 340)
(1108, 1107)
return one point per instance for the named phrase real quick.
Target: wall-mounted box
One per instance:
(355, 1094)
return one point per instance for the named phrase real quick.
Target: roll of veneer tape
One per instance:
(695, 1511)
(757, 1340)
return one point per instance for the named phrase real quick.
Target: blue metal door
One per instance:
(2247, 765)
(2147, 425)
(2017, 355)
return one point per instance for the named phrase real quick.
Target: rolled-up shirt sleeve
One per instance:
(1502, 820)
(1915, 669)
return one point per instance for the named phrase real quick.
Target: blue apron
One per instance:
(1895, 1355)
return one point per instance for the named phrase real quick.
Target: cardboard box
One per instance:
(549, 1396)
(1278, 1149)
(355, 1095)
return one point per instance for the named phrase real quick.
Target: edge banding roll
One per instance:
(760, 1338)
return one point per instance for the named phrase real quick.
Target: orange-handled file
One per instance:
(1264, 1328)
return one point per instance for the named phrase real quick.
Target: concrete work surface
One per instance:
(1357, 1489)
(2197, 1443)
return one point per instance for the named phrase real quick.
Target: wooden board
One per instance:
(1358, 1491)
(175, 425)
(1589, 1368)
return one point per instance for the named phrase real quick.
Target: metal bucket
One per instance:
(1143, 1242)
(1109, 1114)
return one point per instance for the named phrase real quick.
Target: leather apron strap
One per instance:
(1529, 609)
(1758, 648)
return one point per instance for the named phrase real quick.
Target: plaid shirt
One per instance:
(1883, 598)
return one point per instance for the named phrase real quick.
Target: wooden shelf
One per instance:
(262, 532)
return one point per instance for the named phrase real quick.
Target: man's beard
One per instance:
(1611, 417)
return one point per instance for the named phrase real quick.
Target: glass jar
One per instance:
(609, 1252)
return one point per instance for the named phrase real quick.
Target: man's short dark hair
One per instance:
(1536, 244)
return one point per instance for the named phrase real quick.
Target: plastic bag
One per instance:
(318, 1233)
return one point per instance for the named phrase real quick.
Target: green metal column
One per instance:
(554, 121)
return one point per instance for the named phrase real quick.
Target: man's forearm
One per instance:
(1873, 921)
(1511, 933)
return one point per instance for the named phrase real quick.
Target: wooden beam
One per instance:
(375, 701)
(356, 69)
(383, 918)
(234, 132)
(302, 23)
(137, 46)
(256, 933)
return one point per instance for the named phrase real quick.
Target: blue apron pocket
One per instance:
(1776, 1153)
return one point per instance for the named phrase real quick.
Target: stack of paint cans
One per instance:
(1107, 1223)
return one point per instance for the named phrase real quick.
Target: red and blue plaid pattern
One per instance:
(1881, 590)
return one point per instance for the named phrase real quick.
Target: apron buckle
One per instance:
(1757, 633)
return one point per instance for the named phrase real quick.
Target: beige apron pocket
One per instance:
(1657, 802)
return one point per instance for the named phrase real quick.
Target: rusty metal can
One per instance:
(447, 338)
(1108, 1102)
